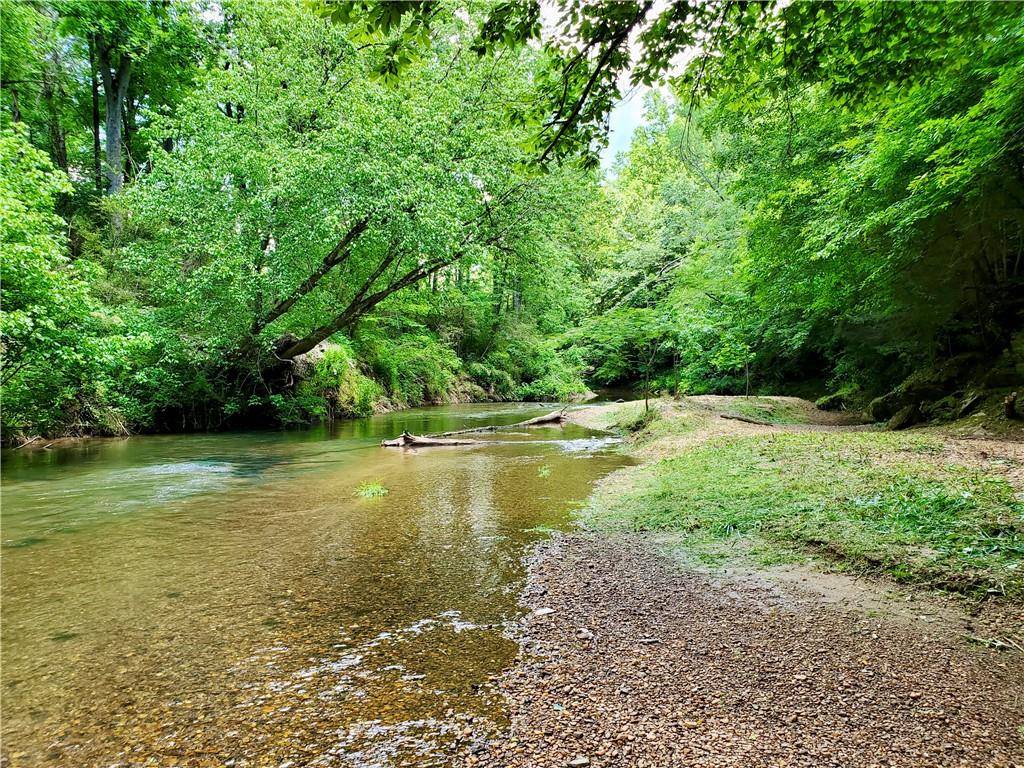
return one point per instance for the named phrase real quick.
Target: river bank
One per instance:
(795, 591)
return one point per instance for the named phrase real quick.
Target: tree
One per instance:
(139, 49)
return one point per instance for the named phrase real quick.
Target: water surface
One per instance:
(202, 599)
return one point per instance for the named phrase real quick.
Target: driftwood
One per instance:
(555, 417)
(747, 419)
(406, 440)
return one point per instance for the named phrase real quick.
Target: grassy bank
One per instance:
(918, 507)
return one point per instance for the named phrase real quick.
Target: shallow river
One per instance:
(201, 599)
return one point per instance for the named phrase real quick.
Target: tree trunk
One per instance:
(361, 303)
(15, 108)
(555, 417)
(130, 130)
(58, 146)
(95, 85)
(406, 440)
(115, 89)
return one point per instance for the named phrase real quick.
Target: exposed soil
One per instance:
(633, 659)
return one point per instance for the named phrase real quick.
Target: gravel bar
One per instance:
(631, 659)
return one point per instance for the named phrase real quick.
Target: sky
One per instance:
(625, 118)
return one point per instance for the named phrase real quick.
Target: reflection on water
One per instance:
(192, 600)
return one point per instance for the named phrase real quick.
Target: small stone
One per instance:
(578, 761)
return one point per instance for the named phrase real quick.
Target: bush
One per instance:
(414, 368)
(336, 388)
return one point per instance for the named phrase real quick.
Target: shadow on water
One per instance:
(230, 596)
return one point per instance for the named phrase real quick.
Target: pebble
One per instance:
(694, 671)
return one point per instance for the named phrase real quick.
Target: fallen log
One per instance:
(407, 440)
(555, 417)
(746, 419)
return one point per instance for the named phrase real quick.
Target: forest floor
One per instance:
(804, 591)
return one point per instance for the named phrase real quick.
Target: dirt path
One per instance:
(641, 662)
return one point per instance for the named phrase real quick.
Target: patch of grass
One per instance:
(669, 426)
(868, 501)
(771, 411)
(371, 491)
(27, 541)
(543, 471)
(637, 419)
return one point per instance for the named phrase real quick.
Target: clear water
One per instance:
(198, 599)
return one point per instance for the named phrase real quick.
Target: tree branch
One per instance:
(337, 255)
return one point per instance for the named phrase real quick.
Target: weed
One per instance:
(371, 491)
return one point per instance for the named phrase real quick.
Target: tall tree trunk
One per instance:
(15, 108)
(58, 146)
(115, 89)
(95, 85)
(131, 129)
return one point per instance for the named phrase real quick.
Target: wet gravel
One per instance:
(629, 659)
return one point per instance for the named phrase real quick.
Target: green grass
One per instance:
(768, 410)
(637, 419)
(371, 491)
(868, 501)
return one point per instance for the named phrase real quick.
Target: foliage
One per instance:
(331, 208)
(58, 366)
(337, 387)
(843, 230)
(280, 197)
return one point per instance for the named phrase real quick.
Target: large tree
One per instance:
(304, 191)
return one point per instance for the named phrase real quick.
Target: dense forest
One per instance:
(240, 213)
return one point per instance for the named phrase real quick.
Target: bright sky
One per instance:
(626, 117)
